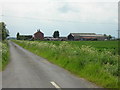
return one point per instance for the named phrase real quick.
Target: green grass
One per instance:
(4, 54)
(97, 61)
(99, 45)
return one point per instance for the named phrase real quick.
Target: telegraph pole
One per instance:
(118, 34)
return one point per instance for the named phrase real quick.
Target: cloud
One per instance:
(98, 12)
(59, 1)
(64, 10)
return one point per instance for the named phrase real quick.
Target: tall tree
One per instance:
(109, 37)
(56, 34)
(105, 35)
(18, 36)
(4, 33)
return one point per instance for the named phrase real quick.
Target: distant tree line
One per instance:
(4, 33)
(109, 36)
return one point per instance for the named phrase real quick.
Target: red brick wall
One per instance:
(39, 35)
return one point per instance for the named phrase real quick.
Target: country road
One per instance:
(27, 70)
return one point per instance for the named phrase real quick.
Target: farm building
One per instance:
(86, 36)
(38, 35)
(62, 38)
(55, 39)
(25, 37)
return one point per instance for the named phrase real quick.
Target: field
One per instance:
(4, 54)
(96, 61)
(99, 45)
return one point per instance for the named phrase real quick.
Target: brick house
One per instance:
(38, 35)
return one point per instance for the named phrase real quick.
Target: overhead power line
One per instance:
(55, 20)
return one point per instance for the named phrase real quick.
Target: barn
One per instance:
(86, 36)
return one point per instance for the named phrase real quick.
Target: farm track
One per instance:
(27, 70)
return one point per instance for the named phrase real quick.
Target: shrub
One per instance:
(4, 54)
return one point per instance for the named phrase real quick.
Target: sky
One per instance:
(66, 16)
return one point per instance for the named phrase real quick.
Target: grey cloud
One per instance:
(66, 8)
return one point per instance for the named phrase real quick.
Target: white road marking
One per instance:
(55, 85)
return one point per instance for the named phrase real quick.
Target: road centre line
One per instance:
(55, 85)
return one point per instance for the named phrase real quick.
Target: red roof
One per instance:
(37, 33)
